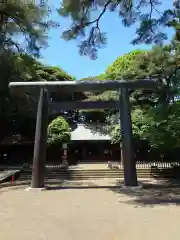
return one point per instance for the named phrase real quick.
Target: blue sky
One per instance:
(65, 54)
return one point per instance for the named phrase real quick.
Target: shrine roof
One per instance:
(88, 132)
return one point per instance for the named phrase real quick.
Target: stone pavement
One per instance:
(89, 213)
(90, 183)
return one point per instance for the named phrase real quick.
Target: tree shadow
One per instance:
(75, 187)
(55, 185)
(151, 195)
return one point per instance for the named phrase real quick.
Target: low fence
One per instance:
(139, 165)
(159, 164)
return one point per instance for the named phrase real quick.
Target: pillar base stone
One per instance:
(131, 188)
(35, 189)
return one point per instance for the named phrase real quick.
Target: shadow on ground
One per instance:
(58, 185)
(151, 194)
(164, 193)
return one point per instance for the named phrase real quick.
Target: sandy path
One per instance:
(87, 214)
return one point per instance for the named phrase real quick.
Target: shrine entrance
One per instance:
(96, 144)
(39, 158)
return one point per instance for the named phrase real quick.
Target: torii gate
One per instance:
(39, 158)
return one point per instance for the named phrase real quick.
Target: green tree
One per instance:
(152, 20)
(19, 107)
(59, 132)
(17, 68)
(160, 63)
(124, 67)
(138, 126)
(19, 20)
(24, 20)
(162, 127)
(157, 124)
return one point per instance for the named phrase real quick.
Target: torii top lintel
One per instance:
(76, 86)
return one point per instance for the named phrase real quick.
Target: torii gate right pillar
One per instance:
(130, 176)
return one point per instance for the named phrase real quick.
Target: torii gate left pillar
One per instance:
(39, 158)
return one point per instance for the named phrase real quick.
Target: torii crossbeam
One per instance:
(39, 158)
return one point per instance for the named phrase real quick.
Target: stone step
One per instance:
(60, 171)
(88, 175)
(57, 173)
(79, 173)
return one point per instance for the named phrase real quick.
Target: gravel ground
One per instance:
(89, 214)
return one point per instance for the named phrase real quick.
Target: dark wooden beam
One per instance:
(59, 106)
(78, 86)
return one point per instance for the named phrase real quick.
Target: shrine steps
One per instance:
(59, 174)
(95, 171)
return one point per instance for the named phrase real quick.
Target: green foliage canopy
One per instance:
(124, 67)
(58, 132)
(159, 126)
(157, 123)
(28, 21)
